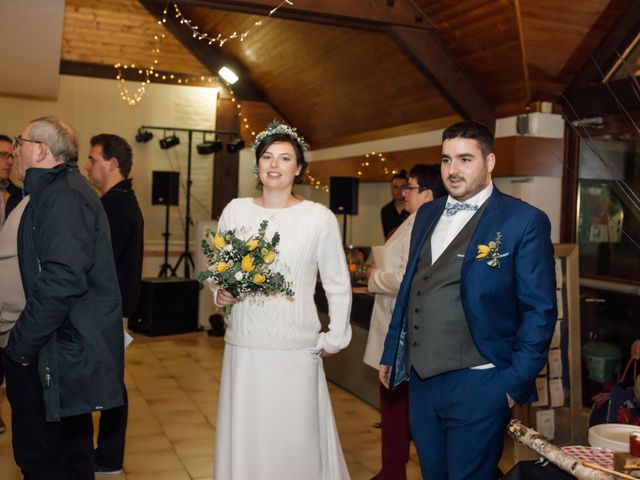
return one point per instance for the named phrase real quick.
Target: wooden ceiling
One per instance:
(343, 81)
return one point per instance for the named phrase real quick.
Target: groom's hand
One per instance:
(384, 372)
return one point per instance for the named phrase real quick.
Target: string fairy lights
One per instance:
(150, 74)
(219, 39)
(371, 160)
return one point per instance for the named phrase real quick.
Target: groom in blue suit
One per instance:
(474, 315)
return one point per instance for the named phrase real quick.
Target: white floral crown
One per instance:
(275, 128)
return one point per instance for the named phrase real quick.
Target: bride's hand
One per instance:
(324, 353)
(224, 298)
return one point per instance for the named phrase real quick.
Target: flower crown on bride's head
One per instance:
(276, 128)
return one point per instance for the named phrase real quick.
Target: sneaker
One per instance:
(100, 470)
(3, 427)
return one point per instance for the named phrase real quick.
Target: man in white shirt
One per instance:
(475, 313)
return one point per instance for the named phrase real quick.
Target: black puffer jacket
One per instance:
(72, 321)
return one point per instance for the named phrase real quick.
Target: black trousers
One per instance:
(45, 450)
(111, 434)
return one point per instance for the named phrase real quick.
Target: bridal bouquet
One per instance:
(244, 266)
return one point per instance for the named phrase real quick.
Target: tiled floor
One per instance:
(173, 388)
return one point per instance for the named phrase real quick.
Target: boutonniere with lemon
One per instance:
(491, 252)
(244, 266)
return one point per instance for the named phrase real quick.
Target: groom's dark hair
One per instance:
(472, 130)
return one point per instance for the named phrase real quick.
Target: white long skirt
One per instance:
(275, 420)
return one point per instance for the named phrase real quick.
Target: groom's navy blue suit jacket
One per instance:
(510, 309)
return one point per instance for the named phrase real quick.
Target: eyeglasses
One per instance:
(6, 155)
(17, 141)
(407, 187)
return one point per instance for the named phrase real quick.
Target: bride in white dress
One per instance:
(275, 420)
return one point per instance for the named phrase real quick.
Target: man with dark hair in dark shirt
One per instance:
(108, 170)
(394, 212)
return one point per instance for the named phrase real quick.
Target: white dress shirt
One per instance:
(448, 228)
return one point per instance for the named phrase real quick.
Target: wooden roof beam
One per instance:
(370, 15)
(606, 55)
(424, 48)
(212, 60)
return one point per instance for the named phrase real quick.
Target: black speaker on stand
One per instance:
(343, 198)
(165, 191)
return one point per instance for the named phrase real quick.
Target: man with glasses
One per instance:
(10, 196)
(65, 355)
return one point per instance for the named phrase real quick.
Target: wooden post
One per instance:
(225, 165)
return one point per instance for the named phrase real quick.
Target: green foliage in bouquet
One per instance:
(244, 266)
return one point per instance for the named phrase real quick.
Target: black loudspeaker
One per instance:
(522, 124)
(343, 195)
(167, 306)
(164, 188)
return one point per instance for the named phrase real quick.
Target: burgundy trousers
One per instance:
(396, 436)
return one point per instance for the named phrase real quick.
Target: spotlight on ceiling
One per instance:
(143, 136)
(235, 145)
(208, 147)
(170, 141)
(229, 75)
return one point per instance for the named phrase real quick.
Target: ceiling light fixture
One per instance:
(208, 147)
(143, 136)
(170, 141)
(228, 75)
(235, 145)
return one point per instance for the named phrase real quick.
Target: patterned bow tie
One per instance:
(453, 208)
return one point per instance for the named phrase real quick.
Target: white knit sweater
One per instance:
(309, 242)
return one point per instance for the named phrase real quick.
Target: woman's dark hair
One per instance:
(282, 137)
(428, 178)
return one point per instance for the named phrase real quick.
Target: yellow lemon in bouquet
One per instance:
(269, 257)
(221, 267)
(247, 264)
(218, 241)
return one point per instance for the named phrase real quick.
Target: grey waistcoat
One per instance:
(438, 334)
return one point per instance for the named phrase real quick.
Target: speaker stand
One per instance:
(166, 267)
(344, 229)
(188, 259)
(186, 254)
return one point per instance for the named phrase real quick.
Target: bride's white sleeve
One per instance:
(222, 226)
(336, 282)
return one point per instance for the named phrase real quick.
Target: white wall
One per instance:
(93, 106)
(544, 193)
